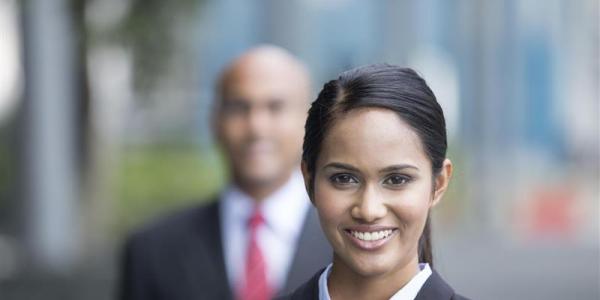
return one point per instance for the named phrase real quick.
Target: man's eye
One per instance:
(235, 107)
(343, 179)
(397, 180)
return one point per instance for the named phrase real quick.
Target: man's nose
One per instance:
(369, 206)
(259, 120)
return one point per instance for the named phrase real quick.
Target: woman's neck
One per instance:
(344, 283)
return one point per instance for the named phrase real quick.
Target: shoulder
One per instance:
(175, 226)
(307, 291)
(436, 288)
(157, 256)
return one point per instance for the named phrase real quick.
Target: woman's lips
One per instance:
(369, 237)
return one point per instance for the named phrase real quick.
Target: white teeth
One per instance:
(376, 236)
(371, 236)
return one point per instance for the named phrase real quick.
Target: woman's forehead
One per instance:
(372, 136)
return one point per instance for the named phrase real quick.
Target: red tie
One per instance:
(256, 286)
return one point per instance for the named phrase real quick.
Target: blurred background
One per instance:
(104, 125)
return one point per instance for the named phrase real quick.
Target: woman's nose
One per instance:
(370, 206)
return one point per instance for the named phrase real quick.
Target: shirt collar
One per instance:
(323, 290)
(412, 288)
(408, 291)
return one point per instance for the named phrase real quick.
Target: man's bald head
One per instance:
(265, 61)
(263, 97)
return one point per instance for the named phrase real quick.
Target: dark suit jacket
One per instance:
(181, 257)
(435, 288)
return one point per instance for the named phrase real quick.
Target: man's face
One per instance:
(260, 123)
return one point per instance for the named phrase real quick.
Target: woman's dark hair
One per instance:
(398, 89)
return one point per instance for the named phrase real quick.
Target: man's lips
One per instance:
(260, 148)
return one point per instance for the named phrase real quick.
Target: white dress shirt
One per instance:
(284, 212)
(408, 292)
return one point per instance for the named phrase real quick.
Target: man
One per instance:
(262, 237)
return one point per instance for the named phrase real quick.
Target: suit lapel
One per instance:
(312, 253)
(309, 290)
(435, 288)
(204, 256)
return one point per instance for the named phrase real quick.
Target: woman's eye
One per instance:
(343, 179)
(397, 180)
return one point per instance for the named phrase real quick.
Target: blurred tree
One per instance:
(148, 30)
(82, 105)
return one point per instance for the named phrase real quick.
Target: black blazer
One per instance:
(435, 288)
(181, 257)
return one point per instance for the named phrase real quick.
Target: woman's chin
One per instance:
(371, 267)
(371, 272)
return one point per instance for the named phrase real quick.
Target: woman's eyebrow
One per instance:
(338, 165)
(392, 168)
(400, 167)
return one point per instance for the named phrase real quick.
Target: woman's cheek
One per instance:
(410, 208)
(326, 203)
(331, 207)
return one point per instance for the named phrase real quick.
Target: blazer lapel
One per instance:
(312, 253)
(309, 290)
(435, 288)
(204, 256)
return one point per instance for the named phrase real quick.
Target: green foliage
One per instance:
(149, 31)
(155, 179)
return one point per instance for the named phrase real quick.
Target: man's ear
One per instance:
(215, 124)
(441, 182)
(307, 180)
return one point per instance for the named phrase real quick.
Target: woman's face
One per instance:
(373, 189)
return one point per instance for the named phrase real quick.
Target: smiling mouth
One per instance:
(370, 239)
(371, 236)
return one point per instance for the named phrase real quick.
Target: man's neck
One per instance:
(259, 191)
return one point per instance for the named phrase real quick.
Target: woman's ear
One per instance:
(441, 182)
(307, 179)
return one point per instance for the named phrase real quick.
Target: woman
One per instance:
(374, 165)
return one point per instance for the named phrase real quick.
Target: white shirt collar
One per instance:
(287, 207)
(407, 292)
